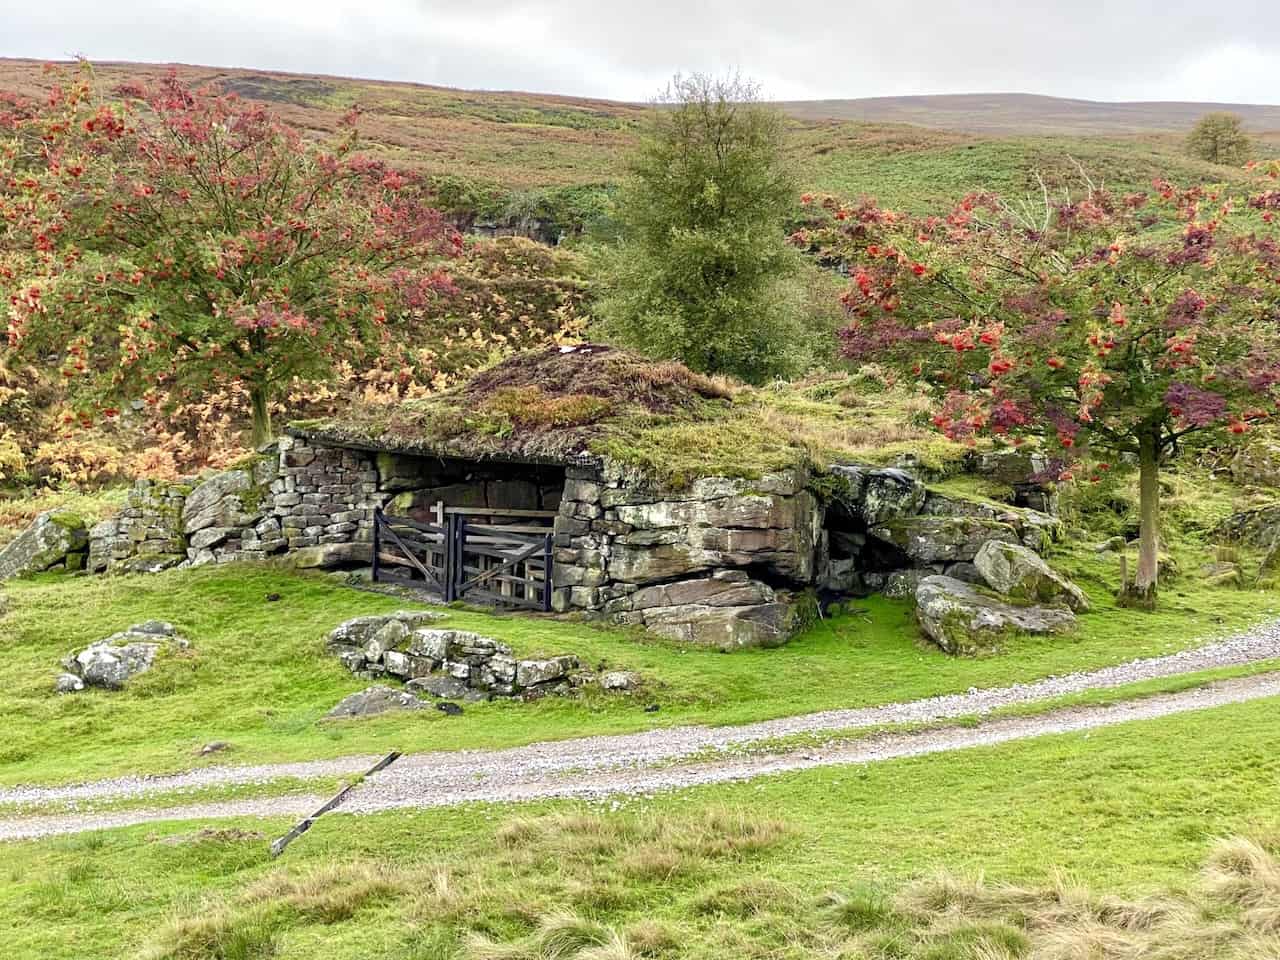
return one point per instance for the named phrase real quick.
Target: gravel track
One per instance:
(418, 785)
(458, 774)
(216, 776)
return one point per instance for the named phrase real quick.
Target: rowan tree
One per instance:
(167, 240)
(1115, 326)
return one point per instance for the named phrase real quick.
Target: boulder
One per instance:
(901, 584)
(55, 537)
(358, 631)
(68, 683)
(216, 502)
(964, 571)
(373, 701)
(438, 644)
(928, 540)
(111, 663)
(725, 628)
(1254, 528)
(1017, 573)
(391, 636)
(446, 688)
(728, 588)
(1011, 465)
(530, 673)
(1222, 574)
(961, 619)
(878, 496)
(1257, 463)
(329, 556)
(620, 681)
(149, 562)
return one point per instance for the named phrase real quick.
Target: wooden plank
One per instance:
(495, 512)
(429, 575)
(305, 824)
(415, 524)
(501, 553)
(525, 530)
(420, 544)
(494, 571)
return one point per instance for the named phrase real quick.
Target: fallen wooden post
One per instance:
(302, 826)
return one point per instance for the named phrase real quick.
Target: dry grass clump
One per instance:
(217, 933)
(1232, 914)
(1244, 873)
(648, 845)
(331, 893)
(587, 886)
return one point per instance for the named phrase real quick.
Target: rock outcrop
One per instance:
(112, 662)
(963, 619)
(1254, 528)
(453, 664)
(54, 539)
(373, 701)
(1018, 574)
(727, 610)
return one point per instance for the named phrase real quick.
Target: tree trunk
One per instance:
(259, 400)
(1143, 591)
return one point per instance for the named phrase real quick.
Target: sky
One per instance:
(1225, 51)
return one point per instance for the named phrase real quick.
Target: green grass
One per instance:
(928, 174)
(734, 870)
(258, 677)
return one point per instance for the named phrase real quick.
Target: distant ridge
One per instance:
(998, 114)
(1028, 113)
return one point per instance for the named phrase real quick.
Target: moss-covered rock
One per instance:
(1015, 572)
(46, 543)
(963, 619)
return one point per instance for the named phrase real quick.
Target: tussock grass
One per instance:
(1231, 913)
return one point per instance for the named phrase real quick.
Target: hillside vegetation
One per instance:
(506, 155)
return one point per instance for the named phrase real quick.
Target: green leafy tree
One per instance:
(169, 241)
(700, 269)
(1220, 138)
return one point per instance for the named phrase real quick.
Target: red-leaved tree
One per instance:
(1113, 325)
(168, 241)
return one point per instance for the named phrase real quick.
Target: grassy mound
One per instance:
(574, 404)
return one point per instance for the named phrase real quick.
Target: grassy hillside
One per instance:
(509, 153)
(1025, 113)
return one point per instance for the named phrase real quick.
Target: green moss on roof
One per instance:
(587, 403)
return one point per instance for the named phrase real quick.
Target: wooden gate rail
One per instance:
(407, 550)
(509, 564)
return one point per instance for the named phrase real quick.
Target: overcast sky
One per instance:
(1225, 50)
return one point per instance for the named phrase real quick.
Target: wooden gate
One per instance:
(508, 564)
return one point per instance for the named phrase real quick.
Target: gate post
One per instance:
(450, 554)
(546, 573)
(377, 541)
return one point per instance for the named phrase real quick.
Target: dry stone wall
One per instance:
(715, 563)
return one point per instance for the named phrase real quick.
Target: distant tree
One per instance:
(1220, 138)
(1090, 323)
(701, 270)
(171, 240)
